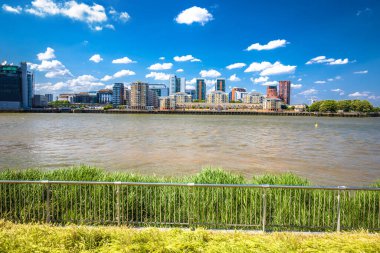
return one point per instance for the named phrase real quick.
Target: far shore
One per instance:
(197, 112)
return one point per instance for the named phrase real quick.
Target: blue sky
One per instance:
(328, 49)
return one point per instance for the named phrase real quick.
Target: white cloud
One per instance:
(54, 68)
(158, 76)
(338, 77)
(339, 91)
(309, 92)
(3, 63)
(124, 72)
(195, 60)
(299, 79)
(361, 72)
(47, 55)
(339, 62)
(188, 57)
(234, 78)
(124, 60)
(81, 83)
(320, 82)
(330, 79)
(261, 79)
(192, 81)
(359, 94)
(269, 83)
(58, 73)
(268, 69)
(159, 66)
(367, 11)
(124, 17)
(8, 8)
(296, 86)
(212, 73)
(162, 58)
(43, 8)
(96, 58)
(194, 15)
(237, 65)
(118, 74)
(271, 45)
(210, 83)
(190, 87)
(329, 61)
(179, 70)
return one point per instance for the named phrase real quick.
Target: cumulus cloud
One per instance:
(159, 66)
(190, 87)
(158, 76)
(361, 72)
(269, 83)
(296, 86)
(234, 78)
(188, 57)
(237, 65)
(309, 92)
(261, 79)
(212, 73)
(121, 73)
(359, 94)
(320, 82)
(268, 69)
(339, 91)
(124, 60)
(81, 83)
(47, 55)
(191, 82)
(96, 58)
(162, 58)
(269, 46)
(54, 68)
(194, 15)
(179, 70)
(15, 10)
(328, 61)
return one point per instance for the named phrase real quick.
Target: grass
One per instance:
(45, 238)
(169, 206)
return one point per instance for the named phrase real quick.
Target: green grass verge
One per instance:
(225, 208)
(45, 238)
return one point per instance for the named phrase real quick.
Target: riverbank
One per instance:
(199, 112)
(46, 238)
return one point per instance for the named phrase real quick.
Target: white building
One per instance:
(253, 98)
(217, 97)
(272, 104)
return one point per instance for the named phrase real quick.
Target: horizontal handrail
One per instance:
(265, 186)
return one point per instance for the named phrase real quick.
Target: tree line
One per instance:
(343, 105)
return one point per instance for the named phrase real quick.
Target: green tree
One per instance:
(59, 104)
(361, 106)
(107, 107)
(328, 106)
(315, 106)
(344, 105)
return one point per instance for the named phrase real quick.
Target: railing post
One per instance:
(264, 211)
(118, 218)
(47, 206)
(338, 209)
(190, 211)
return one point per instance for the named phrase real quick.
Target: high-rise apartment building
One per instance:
(118, 94)
(176, 84)
(217, 97)
(16, 87)
(284, 91)
(220, 84)
(200, 87)
(271, 91)
(139, 95)
(160, 89)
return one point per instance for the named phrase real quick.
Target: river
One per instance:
(340, 151)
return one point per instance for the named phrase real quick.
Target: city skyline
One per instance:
(326, 49)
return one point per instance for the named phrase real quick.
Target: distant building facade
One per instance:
(272, 104)
(200, 87)
(104, 96)
(160, 89)
(253, 98)
(139, 95)
(118, 95)
(191, 92)
(271, 91)
(16, 87)
(66, 97)
(176, 84)
(40, 101)
(49, 97)
(220, 84)
(217, 97)
(237, 94)
(284, 91)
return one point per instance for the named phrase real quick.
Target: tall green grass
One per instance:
(210, 207)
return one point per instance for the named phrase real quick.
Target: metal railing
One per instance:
(219, 206)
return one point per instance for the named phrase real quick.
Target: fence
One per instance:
(218, 206)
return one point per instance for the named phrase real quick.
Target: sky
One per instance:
(328, 49)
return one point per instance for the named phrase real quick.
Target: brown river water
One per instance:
(340, 151)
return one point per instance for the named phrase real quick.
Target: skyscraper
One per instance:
(201, 89)
(176, 84)
(284, 91)
(271, 91)
(118, 94)
(16, 87)
(220, 84)
(140, 95)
